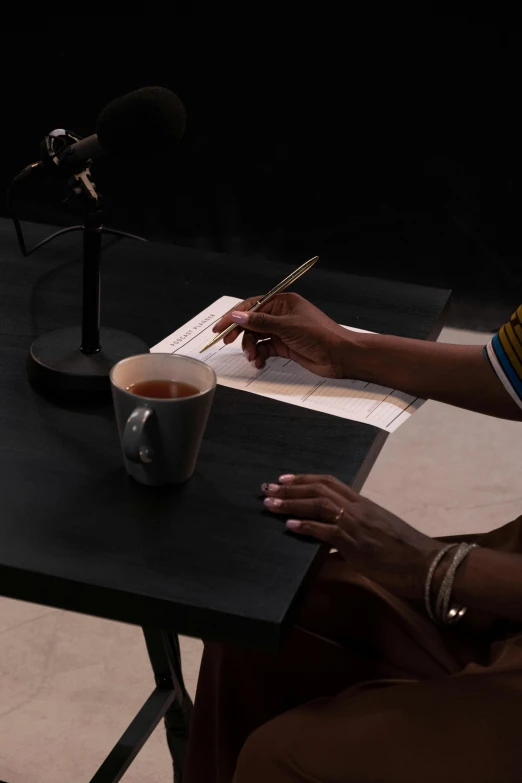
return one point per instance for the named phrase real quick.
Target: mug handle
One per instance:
(135, 443)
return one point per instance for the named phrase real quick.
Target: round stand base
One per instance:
(58, 368)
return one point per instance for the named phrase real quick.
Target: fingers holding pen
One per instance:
(226, 320)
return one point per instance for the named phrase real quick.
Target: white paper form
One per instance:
(285, 380)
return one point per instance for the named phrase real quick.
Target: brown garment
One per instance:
(365, 690)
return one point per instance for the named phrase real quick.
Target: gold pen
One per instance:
(276, 290)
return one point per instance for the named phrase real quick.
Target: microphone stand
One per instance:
(73, 364)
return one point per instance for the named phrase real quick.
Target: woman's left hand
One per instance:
(374, 541)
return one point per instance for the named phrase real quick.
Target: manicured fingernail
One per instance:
(239, 318)
(293, 524)
(272, 502)
(246, 355)
(286, 478)
(269, 487)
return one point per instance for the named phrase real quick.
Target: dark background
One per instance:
(388, 144)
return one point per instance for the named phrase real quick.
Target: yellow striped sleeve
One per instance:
(504, 353)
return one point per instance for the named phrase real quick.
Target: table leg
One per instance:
(169, 700)
(177, 717)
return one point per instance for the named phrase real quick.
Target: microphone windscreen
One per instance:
(142, 124)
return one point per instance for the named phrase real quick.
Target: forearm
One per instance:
(455, 374)
(490, 581)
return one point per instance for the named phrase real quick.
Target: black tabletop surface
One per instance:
(203, 559)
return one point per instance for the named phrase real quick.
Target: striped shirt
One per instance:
(504, 352)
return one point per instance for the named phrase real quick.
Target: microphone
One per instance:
(144, 124)
(73, 364)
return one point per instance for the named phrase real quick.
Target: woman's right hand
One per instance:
(292, 327)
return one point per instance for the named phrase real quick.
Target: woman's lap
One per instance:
(460, 728)
(349, 631)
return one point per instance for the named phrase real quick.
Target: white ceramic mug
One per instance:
(161, 437)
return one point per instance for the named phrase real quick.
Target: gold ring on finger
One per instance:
(339, 515)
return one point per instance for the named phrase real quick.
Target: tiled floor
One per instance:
(69, 684)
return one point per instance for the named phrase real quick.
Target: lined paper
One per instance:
(285, 380)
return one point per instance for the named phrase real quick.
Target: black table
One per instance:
(203, 559)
